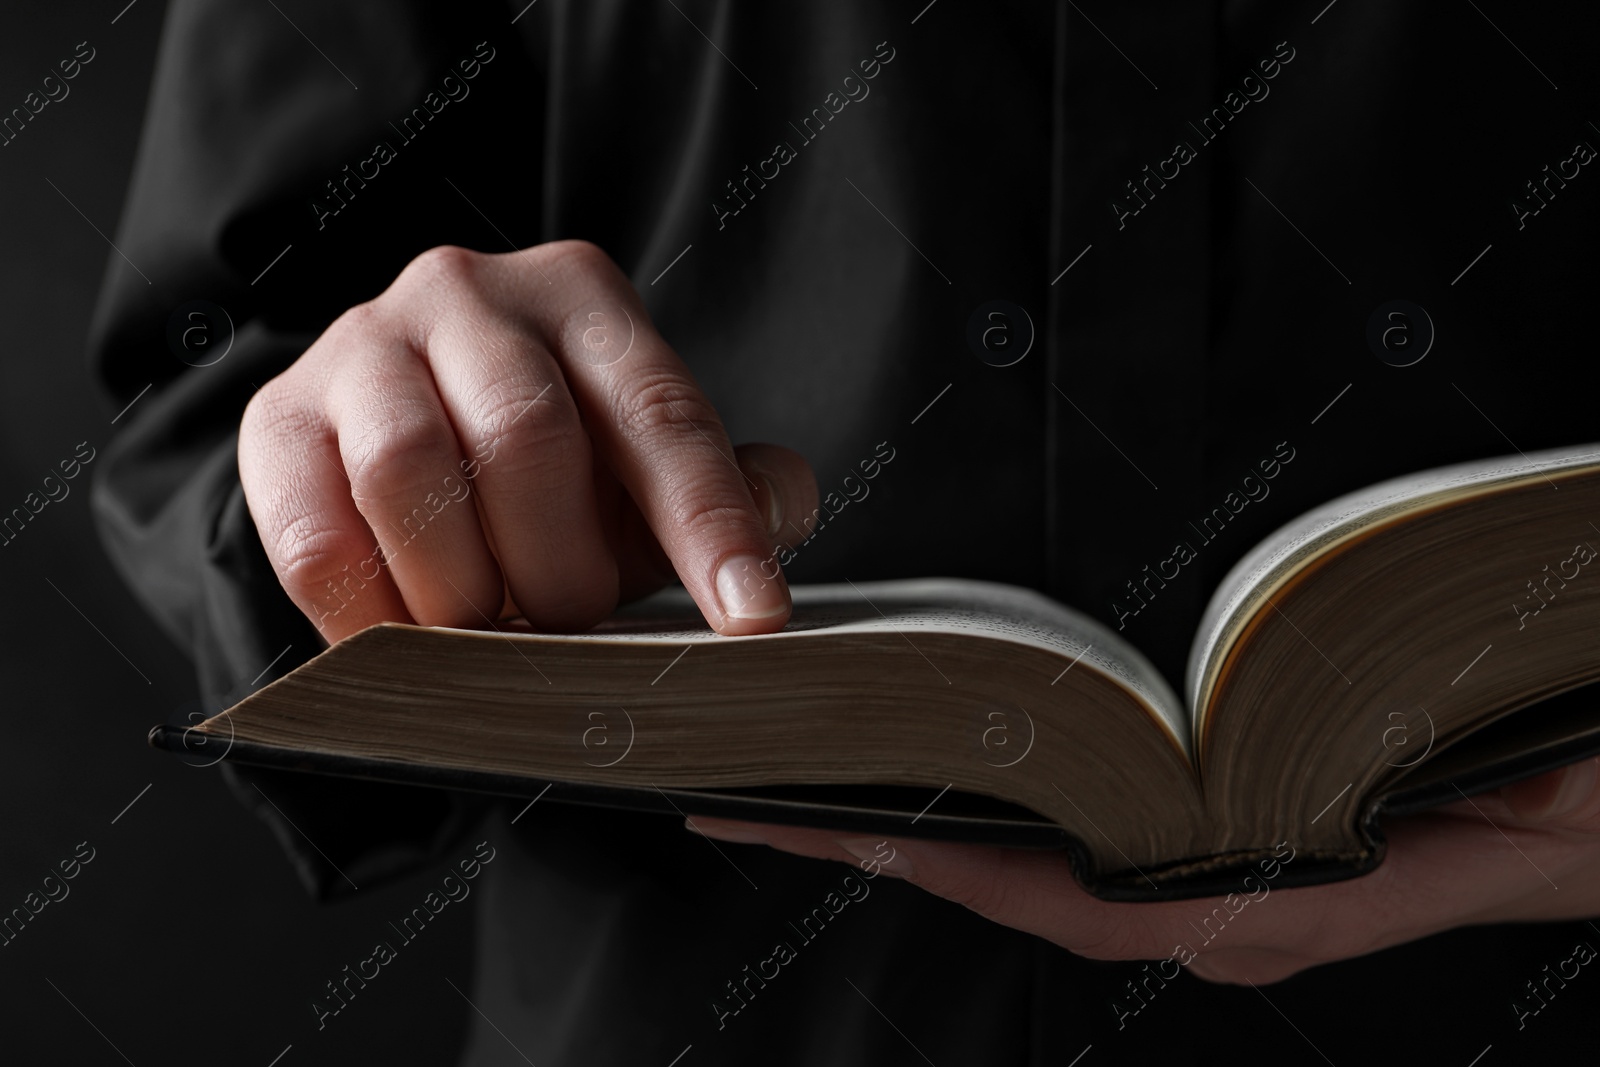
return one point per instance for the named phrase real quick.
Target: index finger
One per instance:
(654, 426)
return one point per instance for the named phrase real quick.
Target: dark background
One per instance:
(187, 939)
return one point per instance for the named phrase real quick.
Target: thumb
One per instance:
(783, 488)
(1565, 798)
(783, 493)
(749, 594)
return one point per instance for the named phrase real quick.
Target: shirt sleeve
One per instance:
(260, 208)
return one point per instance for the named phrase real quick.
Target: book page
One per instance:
(941, 605)
(1265, 567)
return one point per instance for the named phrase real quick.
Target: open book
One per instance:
(1367, 657)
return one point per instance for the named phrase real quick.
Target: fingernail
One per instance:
(767, 502)
(1577, 785)
(743, 837)
(877, 855)
(744, 593)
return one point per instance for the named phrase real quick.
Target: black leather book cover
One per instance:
(1568, 731)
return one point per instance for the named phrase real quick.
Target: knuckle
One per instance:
(1333, 927)
(261, 412)
(703, 520)
(1209, 968)
(275, 416)
(308, 554)
(1241, 967)
(1112, 940)
(989, 897)
(529, 423)
(576, 259)
(360, 320)
(658, 405)
(1583, 818)
(1585, 823)
(267, 405)
(393, 458)
(353, 336)
(450, 266)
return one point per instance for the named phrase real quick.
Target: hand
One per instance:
(1454, 866)
(508, 433)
